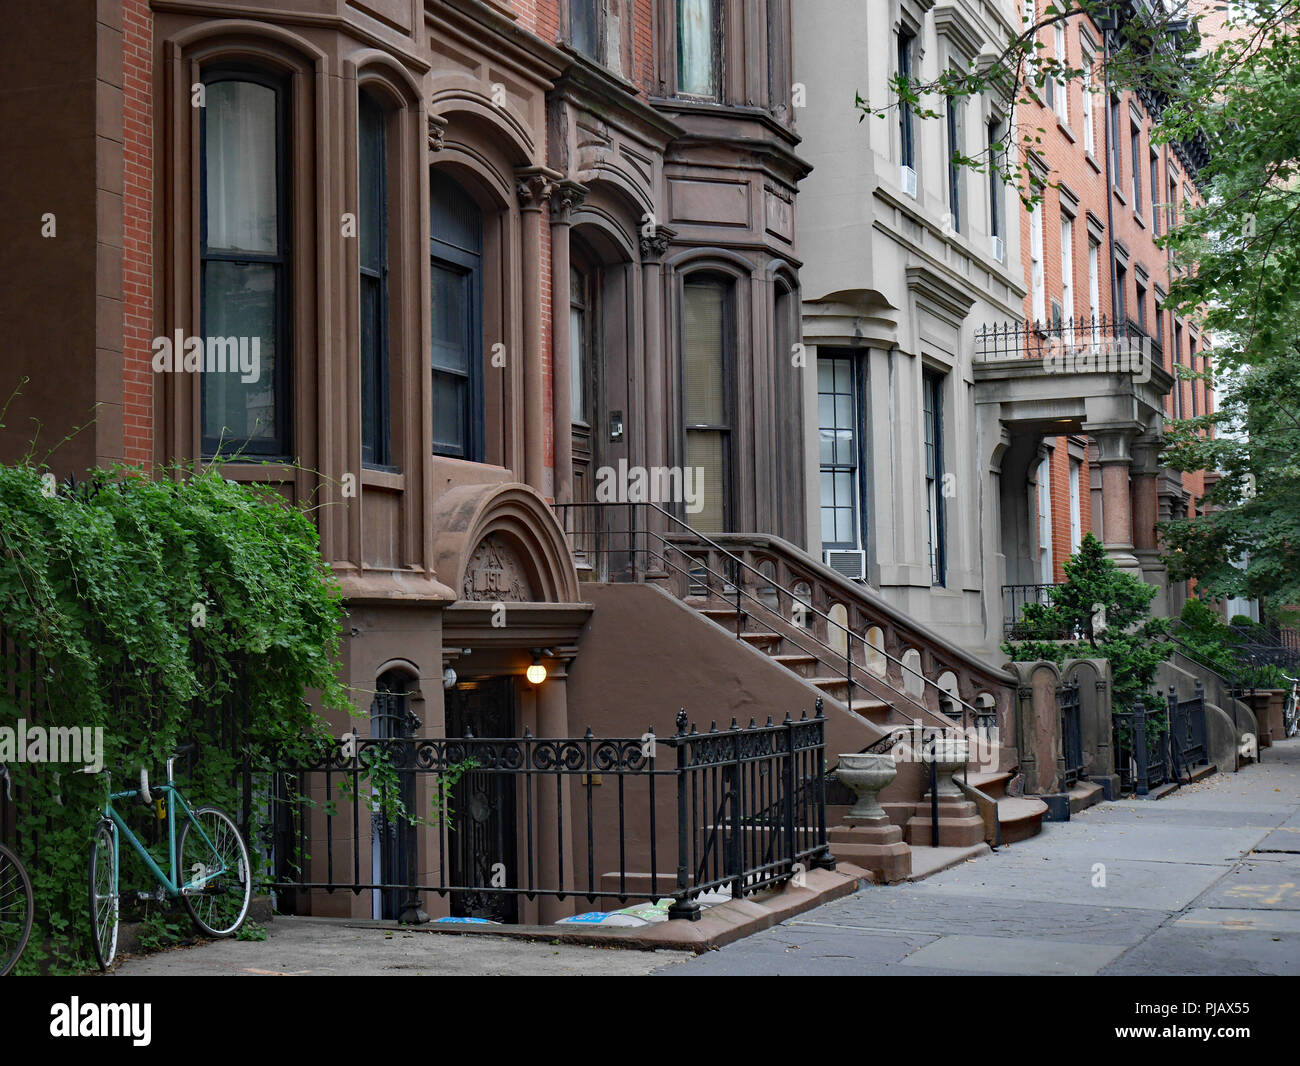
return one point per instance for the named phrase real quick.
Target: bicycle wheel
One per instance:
(221, 906)
(15, 909)
(103, 894)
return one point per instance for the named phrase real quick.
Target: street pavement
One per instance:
(1204, 881)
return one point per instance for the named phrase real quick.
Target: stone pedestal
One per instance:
(960, 824)
(866, 837)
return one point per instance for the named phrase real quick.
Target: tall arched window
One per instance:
(708, 333)
(373, 229)
(245, 266)
(456, 269)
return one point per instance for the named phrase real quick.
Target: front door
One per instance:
(482, 845)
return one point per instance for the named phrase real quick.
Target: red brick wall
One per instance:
(137, 231)
(1068, 164)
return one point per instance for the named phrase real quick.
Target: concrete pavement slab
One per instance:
(940, 914)
(1014, 956)
(1196, 949)
(1225, 918)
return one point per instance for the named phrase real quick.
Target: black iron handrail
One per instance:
(739, 564)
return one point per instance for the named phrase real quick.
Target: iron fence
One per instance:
(1014, 600)
(1141, 745)
(1067, 699)
(1105, 342)
(595, 818)
(1187, 746)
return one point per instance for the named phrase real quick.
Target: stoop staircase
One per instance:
(871, 664)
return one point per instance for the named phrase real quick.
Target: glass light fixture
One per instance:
(536, 673)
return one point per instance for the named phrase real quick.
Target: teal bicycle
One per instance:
(208, 865)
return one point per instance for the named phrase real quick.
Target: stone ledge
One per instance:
(718, 926)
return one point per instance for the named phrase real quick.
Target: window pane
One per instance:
(450, 319)
(371, 180)
(577, 364)
(240, 167)
(584, 23)
(702, 388)
(695, 47)
(449, 403)
(239, 304)
(704, 452)
(373, 448)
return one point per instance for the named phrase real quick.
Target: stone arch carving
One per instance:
(502, 542)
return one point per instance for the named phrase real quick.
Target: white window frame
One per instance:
(1067, 267)
(1037, 285)
(1089, 104)
(1061, 94)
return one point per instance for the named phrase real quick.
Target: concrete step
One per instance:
(762, 640)
(1199, 773)
(1020, 817)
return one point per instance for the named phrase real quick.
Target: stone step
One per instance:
(760, 639)
(992, 783)
(802, 665)
(878, 712)
(1083, 795)
(836, 687)
(1020, 817)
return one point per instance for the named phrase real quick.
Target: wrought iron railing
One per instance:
(740, 808)
(1014, 600)
(651, 541)
(1187, 739)
(1067, 700)
(1097, 336)
(1141, 745)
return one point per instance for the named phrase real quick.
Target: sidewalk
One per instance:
(1205, 881)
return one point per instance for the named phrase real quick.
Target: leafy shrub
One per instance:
(1100, 612)
(160, 610)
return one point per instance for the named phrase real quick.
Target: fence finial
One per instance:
(681, 720)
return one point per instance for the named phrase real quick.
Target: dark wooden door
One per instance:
(482, 849)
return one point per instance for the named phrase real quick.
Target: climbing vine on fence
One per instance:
(158, 609)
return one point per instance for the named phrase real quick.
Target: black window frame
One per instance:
(281, 447)
(995, 180)
(445, 255)
(1135, 150)
(376, 453)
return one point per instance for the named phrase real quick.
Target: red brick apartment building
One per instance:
(1090, 255)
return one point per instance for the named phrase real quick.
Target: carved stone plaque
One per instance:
(496, 573)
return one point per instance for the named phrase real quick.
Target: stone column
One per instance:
(1145, 474)
(653, 249)
(533, 185)
(1117, 522)
(565, 196)
(554, 853)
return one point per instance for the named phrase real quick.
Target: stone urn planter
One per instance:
(949, 754)
(866, 775)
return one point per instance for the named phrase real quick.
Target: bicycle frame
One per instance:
(170, 884)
